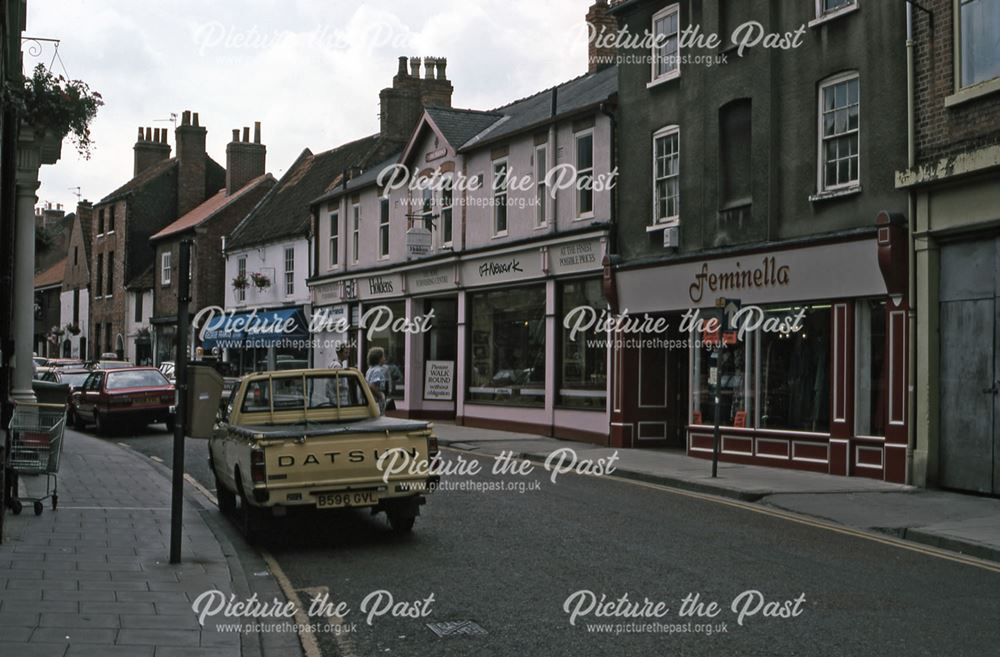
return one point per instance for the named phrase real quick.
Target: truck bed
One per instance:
(310, 429)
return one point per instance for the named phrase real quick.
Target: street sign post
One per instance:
(726, 310)
(180, 407)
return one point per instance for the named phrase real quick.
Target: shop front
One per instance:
(814, 377)
(479, 338)
(258, 340)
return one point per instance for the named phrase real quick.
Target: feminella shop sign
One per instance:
(767, 273)
(822, 272)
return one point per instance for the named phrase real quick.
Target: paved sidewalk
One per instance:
(963, 523)
(93, 577)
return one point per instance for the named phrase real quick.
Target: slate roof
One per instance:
(212, 171)
(143, 281)
(285, 210)
(573, 96)
(460, 125)
(51, 276)
(202, 213)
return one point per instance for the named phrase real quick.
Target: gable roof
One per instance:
(51, 276)
(143, 281)
(285, 210)
(212, 172)
(578, 94)
(211, 207)
(460, 125)
(144, 178)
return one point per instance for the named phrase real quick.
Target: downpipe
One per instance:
(911, 329)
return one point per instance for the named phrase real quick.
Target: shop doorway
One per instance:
(969, 393)
(441, 351)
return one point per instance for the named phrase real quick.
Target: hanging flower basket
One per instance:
(260, 281)
(52, 104)
(240, 282)
(56, 331)
(73, 329)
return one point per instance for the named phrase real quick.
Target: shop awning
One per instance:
(281, 328)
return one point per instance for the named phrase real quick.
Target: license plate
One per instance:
(327, 500)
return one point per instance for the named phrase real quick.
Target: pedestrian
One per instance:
(343, 357)
(377, 377)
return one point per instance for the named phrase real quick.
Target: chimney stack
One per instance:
(150, 148)
(601, 25)
(403, 103)
(245, 160)
(191, 161)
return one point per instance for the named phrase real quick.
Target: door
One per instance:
(969, 392)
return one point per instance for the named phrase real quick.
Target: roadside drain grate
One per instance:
(456, 628)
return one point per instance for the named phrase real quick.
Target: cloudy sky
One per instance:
(309, 70)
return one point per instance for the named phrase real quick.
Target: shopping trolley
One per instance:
(36, 432)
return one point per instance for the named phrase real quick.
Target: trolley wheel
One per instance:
(55, 502)
(39, 507)
(16, 506)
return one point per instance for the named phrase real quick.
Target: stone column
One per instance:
(24, 289)
(33, 150)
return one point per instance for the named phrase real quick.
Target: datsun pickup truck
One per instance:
(313, 438)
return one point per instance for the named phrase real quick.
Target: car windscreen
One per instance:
(74, 379)
(135, 379)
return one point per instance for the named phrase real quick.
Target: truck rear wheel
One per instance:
(225, 498)
(400, 521)
(249, 515)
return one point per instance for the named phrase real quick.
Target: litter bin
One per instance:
(204, 392)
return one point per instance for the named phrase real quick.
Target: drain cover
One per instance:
(456, 628)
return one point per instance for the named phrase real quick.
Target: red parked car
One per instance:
(113, 398)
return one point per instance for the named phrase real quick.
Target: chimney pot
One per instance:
(140, 134)
(428, 68)
(415, 67)
(236, 134)
(194, 119)
(256, 132)
(246, 134)
(402, 72)
(442, 62)
(149, 134)
(186, 117)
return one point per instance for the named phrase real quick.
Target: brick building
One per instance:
(953, 177)
(759, 179)
(206, 225)
(161, 189)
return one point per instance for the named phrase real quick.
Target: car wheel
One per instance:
(75, 420)
(101, 423)
(171, 422)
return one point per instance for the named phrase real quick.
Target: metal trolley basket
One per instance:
(36, 432)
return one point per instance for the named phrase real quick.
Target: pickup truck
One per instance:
(313, 438)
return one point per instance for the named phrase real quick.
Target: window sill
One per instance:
(672, 223)
(663, 79)
(835, 193)
(833, 15)
(499, 235)
(542, 226)
(971, 93)
(584, 217)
